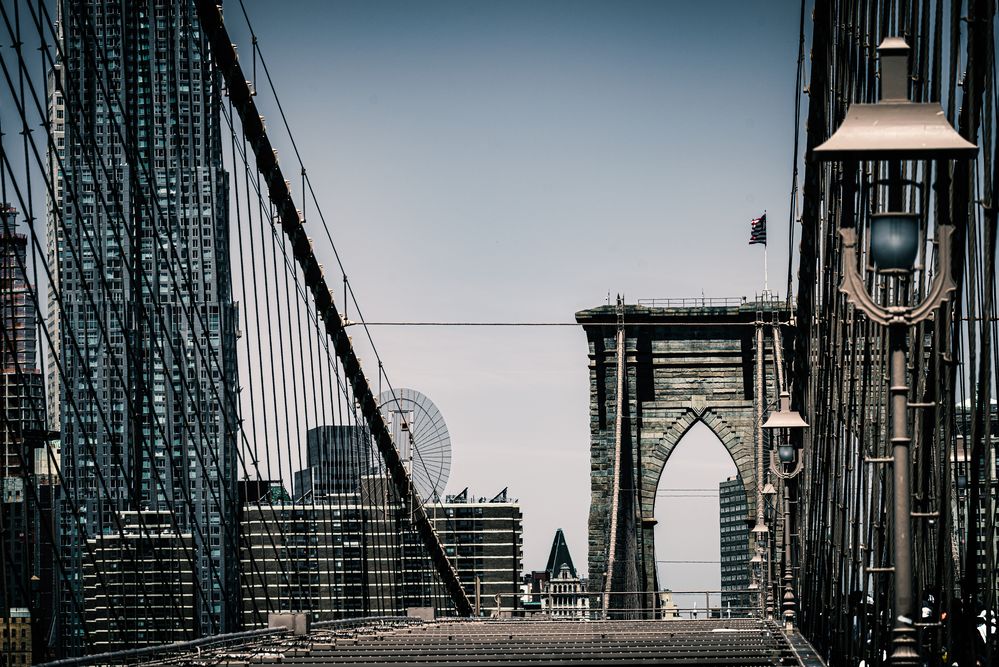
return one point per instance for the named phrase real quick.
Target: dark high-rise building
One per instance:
(21, 429)
(734, 546)
(336, 459)
(344, 555)
(485, 539)
(146, 329)
(980, 473)
(45, 571)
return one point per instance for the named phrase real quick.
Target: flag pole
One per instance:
(765, 285)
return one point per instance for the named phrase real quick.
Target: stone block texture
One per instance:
(683, 365)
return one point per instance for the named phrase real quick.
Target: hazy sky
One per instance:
(515, 161)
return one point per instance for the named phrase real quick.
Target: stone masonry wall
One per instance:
(683, 366)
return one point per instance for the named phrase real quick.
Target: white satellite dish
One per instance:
(421, 435)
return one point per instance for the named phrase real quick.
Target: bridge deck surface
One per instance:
(744, 642)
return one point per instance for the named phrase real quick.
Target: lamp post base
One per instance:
(904, 648)
(788, 604)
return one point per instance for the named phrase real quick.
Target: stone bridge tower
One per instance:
(683, 361)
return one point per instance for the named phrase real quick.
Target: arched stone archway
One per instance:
(681, 365)
(655, 462)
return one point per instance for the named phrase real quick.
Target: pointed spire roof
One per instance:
(559, 556)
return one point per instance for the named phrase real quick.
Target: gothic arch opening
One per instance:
(691, 529)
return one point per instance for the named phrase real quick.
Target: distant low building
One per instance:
(139, 583)
(562, 592)
(565, 596)
(485, 539)
(531, 585)
(15, 637)
(667, 608)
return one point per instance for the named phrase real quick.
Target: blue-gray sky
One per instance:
(517, 161)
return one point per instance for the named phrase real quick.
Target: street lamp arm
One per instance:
(943, 282)
(778, 469)
(852, 285)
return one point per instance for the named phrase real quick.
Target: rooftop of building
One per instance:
(463, 497)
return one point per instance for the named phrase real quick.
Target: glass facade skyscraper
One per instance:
(144, 315)
(734, 543)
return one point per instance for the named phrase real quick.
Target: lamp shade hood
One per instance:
(899, 130)
(895, 127)
(785, 417)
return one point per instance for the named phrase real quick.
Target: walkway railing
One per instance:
(694, 302)
(770, 299)
(661, 605)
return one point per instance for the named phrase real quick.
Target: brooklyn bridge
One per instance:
(204, 459)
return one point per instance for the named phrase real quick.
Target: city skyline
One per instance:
(286, 289)
(512, 145)
(464, 121)
(461, 117)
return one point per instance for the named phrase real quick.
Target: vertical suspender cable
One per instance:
(616, 487)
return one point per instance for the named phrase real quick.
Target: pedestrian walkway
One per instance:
(540, 642)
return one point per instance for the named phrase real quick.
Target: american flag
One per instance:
(758, 230)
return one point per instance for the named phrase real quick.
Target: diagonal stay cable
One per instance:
(225, 58)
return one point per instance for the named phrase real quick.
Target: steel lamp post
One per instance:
(768, 494)
(790, 464)
(889, 134)
(755, 572)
